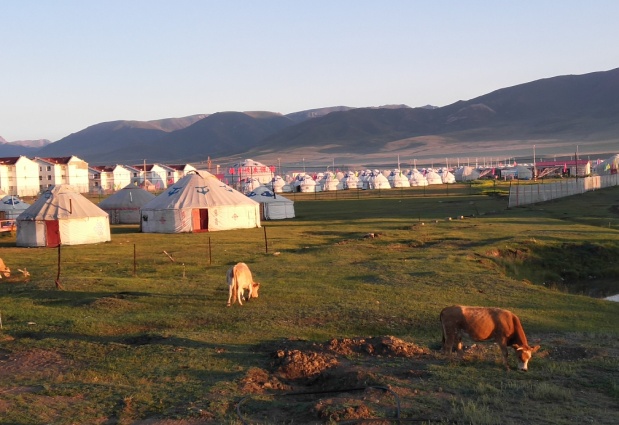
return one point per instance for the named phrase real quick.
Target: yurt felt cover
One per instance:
(274, 206)
(124, 205)
(199, 202)
(62, 215)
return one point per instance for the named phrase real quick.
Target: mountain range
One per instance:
(556, 116)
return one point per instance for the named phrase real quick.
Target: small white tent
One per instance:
(199, 202)
(124, 206)
(433, 177)
(272, 206)
(398, 179)
(466, 173)
(11, 206)
(378, 181)
(62, 216)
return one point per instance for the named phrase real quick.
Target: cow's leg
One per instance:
(449, 343)
(239, 294)
(503, 345)
(447, 340)
(231, 295)
(458, 340)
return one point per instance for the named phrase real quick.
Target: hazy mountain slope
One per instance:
(223, 133)
(97, 142)
(301, 116)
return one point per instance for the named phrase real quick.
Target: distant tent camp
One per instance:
(608, 166)
(11, 207)
(272, 206)
(62, 216)
(199, 202)
(124, 206)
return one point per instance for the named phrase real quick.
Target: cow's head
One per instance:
(524, 353)
(254, 291)
(6, 272)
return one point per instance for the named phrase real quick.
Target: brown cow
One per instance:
(240, 280)
(482, 324)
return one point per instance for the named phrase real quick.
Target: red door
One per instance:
(199, 218)
(52, 233)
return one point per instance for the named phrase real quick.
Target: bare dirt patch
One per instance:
(338, 380)
(33, 361)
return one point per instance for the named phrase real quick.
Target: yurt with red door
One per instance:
(199, 202)
(62, 216)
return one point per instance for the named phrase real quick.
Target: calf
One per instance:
(482, 324)
(240, 280)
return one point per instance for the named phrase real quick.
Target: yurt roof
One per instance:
(61, 202)
(10, 202)
(264, 194)
(130, 196)
(198, 189)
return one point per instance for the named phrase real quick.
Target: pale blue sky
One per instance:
(66, 65)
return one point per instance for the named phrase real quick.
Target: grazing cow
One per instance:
(240, 280)
(482, 324)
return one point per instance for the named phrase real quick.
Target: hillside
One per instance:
(554, 114)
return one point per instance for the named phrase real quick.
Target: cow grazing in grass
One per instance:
(485, 323)
(240, 280)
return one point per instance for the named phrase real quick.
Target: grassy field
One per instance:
(351, 290)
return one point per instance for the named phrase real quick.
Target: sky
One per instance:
(68, 64)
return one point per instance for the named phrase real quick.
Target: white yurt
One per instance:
(447, 176)
(364, 179)
(272, 205)
(124, 205)
(280, 185)
(351, 181)
(249, 168)
(433, 177)
(305, 183)
(251, 184)
(199, 202)
(466, 173)
(62, 215)
(399, 179)
(11, 207)
(417, 179)
(379, 181)
(330, 182)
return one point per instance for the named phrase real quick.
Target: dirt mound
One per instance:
(257, 380)
(376, 346)
(303, 360)
(296, 364)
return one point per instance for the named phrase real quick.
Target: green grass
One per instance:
(116, 346)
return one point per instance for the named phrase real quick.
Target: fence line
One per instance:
(525, 194)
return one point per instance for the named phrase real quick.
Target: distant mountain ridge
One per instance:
(554, 113)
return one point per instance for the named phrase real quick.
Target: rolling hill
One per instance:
(554, 114)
